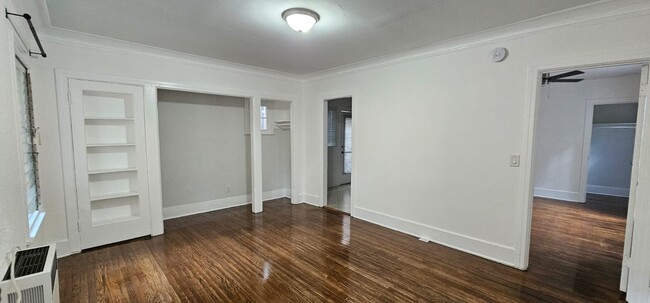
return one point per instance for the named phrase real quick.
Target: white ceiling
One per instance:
(252, 32)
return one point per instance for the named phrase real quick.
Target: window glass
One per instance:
(331, 127)
(27, 133)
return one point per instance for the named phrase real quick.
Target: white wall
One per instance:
(133, 62)
(13, 211)
(561, 131)
(435, 128)
(202, 147)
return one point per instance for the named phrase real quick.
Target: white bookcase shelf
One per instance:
(122, 119)
(109, 139)
(109, 128)
(113, 196)
(111, 170)
(109, 145)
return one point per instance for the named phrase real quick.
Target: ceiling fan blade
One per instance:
(566, 75)
(565, 80)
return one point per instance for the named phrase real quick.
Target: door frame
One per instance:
(73, 243)
(324, 152)
(531, 114)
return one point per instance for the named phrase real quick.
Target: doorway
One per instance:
(585, 146)
(339, 154)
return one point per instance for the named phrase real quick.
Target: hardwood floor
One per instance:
(301, 253)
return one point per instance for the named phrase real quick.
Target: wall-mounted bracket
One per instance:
(31, 27)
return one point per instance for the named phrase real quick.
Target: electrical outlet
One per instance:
(227, 188)
(514, 160)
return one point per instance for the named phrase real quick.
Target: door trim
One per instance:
(531, 111)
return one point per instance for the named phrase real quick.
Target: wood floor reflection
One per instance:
(301, 253)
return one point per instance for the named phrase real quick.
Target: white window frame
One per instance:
(34, 218)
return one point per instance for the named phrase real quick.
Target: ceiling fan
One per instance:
(547, 78)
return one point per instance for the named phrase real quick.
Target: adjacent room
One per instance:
(339, 154)
(324, 151)
(585, 151)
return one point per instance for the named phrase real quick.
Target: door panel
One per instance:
(110, 161)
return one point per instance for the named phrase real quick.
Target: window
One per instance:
(331, 127)
(264, 118)
(28, 133)
(347, 145)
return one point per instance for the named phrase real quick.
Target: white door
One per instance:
(636, 264)
(339, 154)
(110, 161)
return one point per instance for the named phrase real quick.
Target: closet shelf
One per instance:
(112, 170)
(115, 220)
(283, 124)
(113, 196)
(110, 145)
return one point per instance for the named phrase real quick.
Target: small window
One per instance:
(347, 145)
(264, 118)
(331, 127)
(28, 133)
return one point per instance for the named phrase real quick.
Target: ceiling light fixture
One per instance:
(300, 19)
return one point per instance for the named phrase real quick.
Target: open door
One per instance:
(110, 161)
(627, 251)
(636, 264)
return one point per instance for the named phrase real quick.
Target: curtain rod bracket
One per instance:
(28, 18)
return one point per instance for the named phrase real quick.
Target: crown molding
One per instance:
(62, 36)
(602, 11)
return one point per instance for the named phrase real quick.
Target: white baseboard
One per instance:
(62, 248)
(310, 199)
(207, 206)
(608, 190)
(488, 250)
(559, 195)
(276, 194)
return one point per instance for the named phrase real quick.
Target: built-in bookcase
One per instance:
(110, 155)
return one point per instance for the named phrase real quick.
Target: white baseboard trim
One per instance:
(276, 194)
(488, 250)
(558, 195)
(608, 190)
(310, 199)
(62, 249)
(207, 206)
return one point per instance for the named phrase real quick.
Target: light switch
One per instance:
(514, 160)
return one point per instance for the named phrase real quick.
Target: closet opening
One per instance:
(205, 152)
(275, 125)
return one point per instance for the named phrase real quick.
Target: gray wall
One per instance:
(612, 149)
(276, 152)
(202, 147)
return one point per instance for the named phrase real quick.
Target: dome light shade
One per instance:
(300, 19)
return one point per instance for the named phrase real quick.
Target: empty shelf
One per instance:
(110, 171)
(113, 196)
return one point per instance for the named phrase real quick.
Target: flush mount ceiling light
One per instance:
(300, 19)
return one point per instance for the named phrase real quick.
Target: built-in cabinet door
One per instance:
(110, 161)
